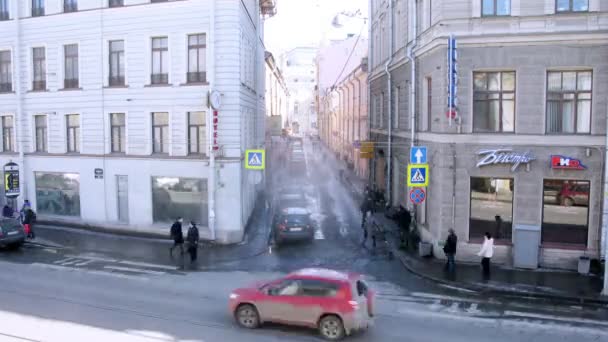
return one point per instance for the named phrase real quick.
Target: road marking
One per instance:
(84, 263)
(145, 264)
(135, 270)
(84, 270)
(555, 318)
(473, 309)
(441, 297)
(319, 234)
(91, 257)
(62, 261)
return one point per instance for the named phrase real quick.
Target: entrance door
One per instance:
(122, 192)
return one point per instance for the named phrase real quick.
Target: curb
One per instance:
(486, 290)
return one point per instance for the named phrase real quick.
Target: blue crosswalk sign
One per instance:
(255, 159)
(418, 155)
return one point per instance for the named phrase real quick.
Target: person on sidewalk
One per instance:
(192, 238)
(404, 219)
(178, 236)
(29, 219)
(450, 249)
(26, 204)
(366, 210)
(7, 211)
(486, 253)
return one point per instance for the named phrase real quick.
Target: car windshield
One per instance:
(296, 219)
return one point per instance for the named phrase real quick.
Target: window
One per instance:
(37, 8)
(71, 66)
(318, 288)
(4, 10)
(494, 102)
(118, 132)
(196, 133)
(116, 3)
(70, 6)
(160, 60)
(569, 101)
(6, 74)
(58, 193)
(491, 8)
(160, 132)
(7, 134)
(571, 6)
(288, 288)
(39, 61)
(197, 58)
(179, 197)
(491, 208)
(73, 132)
(41, 133)
(117, 63)
(153, 1)
(565, 211)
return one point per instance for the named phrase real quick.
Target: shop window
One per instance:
(491, 208)
(58, 193)
(179, 197)
(565, 211)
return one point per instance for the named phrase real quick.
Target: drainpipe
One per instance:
(20, 121)
(389, 83)
(412, 59)
(212, 169)
(371, 64)
(604, 237)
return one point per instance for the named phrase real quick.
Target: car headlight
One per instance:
(234, 296)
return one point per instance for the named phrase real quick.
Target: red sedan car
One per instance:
(335, 303)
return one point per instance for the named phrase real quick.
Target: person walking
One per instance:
(366, 211)
(29, 218)
(486, 253)
(178, 236)
(26, 204)
(450, 249)
(192, 238)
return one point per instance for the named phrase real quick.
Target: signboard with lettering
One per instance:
(566, 163)
(504, 156)
(12, 186)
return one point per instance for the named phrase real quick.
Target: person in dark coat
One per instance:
(404, 219)
(450, 249)
(192, 238)
(178, 236)
(7, 211)
(29, 219)
(366, 209)
(26, 204)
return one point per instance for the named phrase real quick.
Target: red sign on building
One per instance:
(566, 163)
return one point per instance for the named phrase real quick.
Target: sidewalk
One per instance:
(542, 283)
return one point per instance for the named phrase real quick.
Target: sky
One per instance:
(309, 23)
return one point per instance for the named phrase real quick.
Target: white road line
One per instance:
(83, 270)
(135, 270)
(84, 263)
(62, 261)
(555, 318)
(94, 258)
(71, 262)
(319, 234)
(145, 264)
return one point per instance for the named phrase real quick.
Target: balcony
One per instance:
(268, 8)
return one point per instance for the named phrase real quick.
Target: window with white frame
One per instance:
(73, 133)
(7, 134)
(197, 58)
(37, 8)
(493, 8)
(160, 60)
(564, 6)
(70, 66)
(6, 74)
(118, 133)
(160, 133)
(569, 95)
(117, 63)
(70, 6)
(197, 133)
(116, 3)
(40, 125)
(4, 13)
(39, 64)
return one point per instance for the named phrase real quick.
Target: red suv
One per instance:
(335, 303)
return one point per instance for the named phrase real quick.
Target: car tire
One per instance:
(331, 328)
(247, 316)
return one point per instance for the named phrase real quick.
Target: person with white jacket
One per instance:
(486, 253)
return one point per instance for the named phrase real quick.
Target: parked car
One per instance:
(12, 233)
(292, 224)
(574, 194)
(336, 303)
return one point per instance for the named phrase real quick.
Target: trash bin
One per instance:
(425, 249)
(584, 264)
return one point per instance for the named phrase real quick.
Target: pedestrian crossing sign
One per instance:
(255, 159)
(417, 175)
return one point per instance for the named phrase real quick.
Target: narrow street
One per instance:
(96, 287)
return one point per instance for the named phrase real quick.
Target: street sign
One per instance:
(255, 159)
(98, 173)
(418, 155)
(11, 180)
(417, 195)
(417, 175)
(452, 68)
(367, 150)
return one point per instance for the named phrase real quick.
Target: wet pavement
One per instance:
(402, 295)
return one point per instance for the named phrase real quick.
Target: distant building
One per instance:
(532, 83)
(298, 67)
(103, 105)
(342, 99)
(277, 96)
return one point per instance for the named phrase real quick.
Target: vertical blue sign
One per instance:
(452, 74)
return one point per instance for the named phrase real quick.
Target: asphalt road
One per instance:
(97, 287)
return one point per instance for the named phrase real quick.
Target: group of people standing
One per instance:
(192, 238)
(27, 217)
(486, 252)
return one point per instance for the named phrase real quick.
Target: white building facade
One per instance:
(104, 107)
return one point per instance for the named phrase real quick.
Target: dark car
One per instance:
(291, 199)
(292, 224)
(12, 233)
